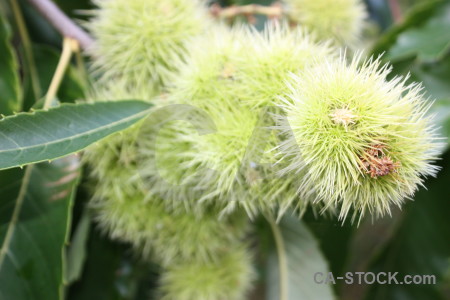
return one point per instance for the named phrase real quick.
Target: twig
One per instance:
(273, 11)
(62, 23)
(69, 46)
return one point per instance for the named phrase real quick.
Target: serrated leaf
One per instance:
(303, 259)
(35, 213)
(10, 95)
(45, 135)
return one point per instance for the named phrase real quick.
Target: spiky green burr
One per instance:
(228, 278)
(142, 41)
(338, 20)
(232, 75)
(362, 142)
(166, 237)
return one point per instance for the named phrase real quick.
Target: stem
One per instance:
(69, 45)
(61, 22)
(32, 70)
(282, 259)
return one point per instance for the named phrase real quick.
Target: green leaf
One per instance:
(299, 258)
(416, 17)
(434, 77)
(113, 272)
(429, 42)
(369, 240)
(10, 95)
(35, 213)
(45, 135)
(76, 255)
(98, 281)
(441, 111)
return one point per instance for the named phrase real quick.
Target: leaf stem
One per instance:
(282, 258)
(69, 46)
(35, 83)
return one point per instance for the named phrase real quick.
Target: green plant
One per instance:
(363, 141)
(221, 160)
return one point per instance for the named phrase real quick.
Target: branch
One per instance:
(273, 11)
(61, 22)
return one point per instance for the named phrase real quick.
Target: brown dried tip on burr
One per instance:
(376, 163)
(343, 116)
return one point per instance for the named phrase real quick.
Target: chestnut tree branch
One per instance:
(62, 23)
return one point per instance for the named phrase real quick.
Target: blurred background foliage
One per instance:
(414, 35)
